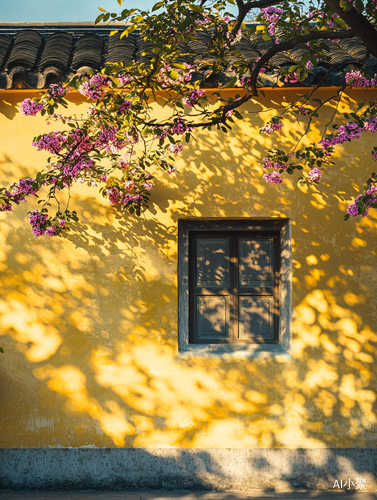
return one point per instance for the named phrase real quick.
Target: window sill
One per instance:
(275, 351)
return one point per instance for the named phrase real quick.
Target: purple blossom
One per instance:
(125, 79)
(291, 78)
(50, 142)
(30, 108)
(356, 79)
(125, 106)
(148, 186)
(353, 209)
(113, 195)
(315, 175)
(193, 98)
(37, 220)
(179, 126)
(271, 127)
(274, 177)
(175, 148)
(6, 208)
(273, 16)
(94, 87)
(128, 198)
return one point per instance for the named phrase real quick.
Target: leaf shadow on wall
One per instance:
(91, 335)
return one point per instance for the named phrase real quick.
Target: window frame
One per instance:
(189, 227)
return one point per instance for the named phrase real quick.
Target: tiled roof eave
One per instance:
(32, 55)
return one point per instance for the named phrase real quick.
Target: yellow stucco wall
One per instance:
(89, 322)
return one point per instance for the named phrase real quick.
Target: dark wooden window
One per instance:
(233, 287)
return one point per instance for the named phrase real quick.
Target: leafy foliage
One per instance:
(118, 145)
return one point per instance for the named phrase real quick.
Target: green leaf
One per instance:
(230, 83)
(173, 75)
(266, 37)
(106, 17)
(196, 8)
(98, 19)
(1, 349)
(158, 5)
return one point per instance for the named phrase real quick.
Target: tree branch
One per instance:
(290, 44)
(244, 9)
(359, 24)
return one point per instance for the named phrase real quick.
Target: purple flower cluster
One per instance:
(179, 126)
(193, 98)
(125, 79)
(268, 163)
(6, 208)
(271, 127)
(175, 148)
(291, 78)
(274, 177)
(23, 188)
(163, 135)
(94, 87)
(108, 140)
(182, 76)
(272, 16)
(349, 132)
(113, 195)
(371, 125)
(205, 20)
(73, 169)
(56, 90)
(30, 108)
(353, 209)
(128, 198)
(356, 79)
(314, 175)
(38, 221)
(345, 133)
(125, 106)
(50, 142)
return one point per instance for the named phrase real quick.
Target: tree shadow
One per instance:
(89, 325)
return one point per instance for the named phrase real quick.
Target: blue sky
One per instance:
(46, 11)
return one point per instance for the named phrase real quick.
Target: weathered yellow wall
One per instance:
(89, 323)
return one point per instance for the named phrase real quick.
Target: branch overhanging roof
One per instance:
(34, 55)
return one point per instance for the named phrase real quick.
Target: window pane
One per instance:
(255, 262)
(212, 262)
(212, 317)
(255, 317)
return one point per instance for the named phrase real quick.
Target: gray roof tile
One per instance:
(35, 55)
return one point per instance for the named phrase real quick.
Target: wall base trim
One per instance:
(217, 469)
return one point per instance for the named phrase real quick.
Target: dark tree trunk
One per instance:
(359, 24)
